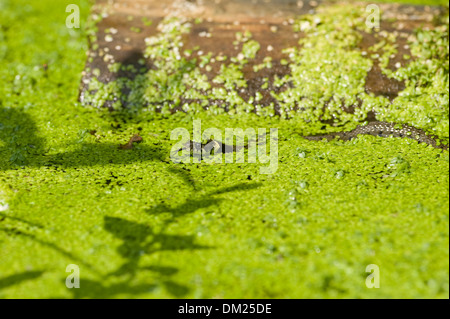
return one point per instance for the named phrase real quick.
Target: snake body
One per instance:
(381, 129)
(384, 129)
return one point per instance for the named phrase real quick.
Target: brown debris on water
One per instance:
(136, 138)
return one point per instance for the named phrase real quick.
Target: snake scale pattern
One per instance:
(380, 129)
(384, 129)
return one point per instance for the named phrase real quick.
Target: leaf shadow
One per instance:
(22, 146)
(16, 279)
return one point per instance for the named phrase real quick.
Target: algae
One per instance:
(139, 225)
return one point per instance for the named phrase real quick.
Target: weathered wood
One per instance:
(268, 20)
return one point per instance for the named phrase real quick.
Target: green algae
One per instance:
(141, 226)
(328, 72)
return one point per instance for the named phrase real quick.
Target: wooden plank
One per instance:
(269, 21)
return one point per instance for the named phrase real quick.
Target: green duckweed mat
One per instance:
(138, 225)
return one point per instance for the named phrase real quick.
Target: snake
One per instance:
(384, 129)
(375, 128)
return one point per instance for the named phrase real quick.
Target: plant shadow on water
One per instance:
(23, 146)
(140, 239)
(23, 228)
(19, 231)
(18, 134)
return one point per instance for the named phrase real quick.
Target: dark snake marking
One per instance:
(384, 129)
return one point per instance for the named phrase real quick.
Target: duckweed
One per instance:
(328, 72)
(424, 102)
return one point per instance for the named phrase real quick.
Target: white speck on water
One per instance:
(3, 207)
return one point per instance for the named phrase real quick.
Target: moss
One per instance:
(141, 226)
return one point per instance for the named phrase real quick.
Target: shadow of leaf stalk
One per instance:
(140, 239)
(24, 147)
